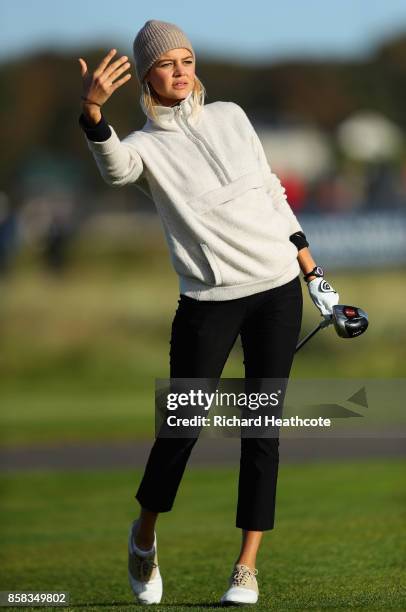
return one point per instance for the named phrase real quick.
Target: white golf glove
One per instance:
(323, 295)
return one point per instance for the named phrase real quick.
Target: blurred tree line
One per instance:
(40, 100)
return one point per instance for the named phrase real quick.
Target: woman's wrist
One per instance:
(91, 112)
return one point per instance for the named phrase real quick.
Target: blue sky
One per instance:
(252, 30)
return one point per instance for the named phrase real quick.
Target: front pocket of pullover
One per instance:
(195, 261)
(215, 197)
(211, 258)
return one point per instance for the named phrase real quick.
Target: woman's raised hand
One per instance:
(99, 85)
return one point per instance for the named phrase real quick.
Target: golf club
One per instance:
(348, 321)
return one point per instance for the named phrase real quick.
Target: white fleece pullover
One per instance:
(224, 213)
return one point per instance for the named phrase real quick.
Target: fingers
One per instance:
(116, 73)
(117, 84)
(83, 66)
(115, 65)
(101, 83)
(103, 64)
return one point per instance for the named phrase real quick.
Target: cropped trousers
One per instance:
(203, 334)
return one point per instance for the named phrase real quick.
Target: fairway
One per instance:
(338, 543)
(81, 364)
(80, 357)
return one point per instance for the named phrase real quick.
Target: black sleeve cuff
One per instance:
(299, 240)
(97, 133)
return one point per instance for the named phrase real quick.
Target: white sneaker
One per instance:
(143, 572)
(243, 587)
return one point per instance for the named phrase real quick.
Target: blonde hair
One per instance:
(149, 101)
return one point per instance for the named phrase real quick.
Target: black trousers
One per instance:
(203, 334)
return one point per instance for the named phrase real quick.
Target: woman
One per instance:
(238, 250)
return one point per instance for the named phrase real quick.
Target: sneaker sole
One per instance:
(249, 594)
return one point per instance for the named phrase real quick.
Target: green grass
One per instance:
(80, 354)
(338, 541)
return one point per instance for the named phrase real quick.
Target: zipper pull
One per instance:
(178, 115)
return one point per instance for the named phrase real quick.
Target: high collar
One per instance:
(167, 114)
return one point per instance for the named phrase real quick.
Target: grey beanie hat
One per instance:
(154, 39)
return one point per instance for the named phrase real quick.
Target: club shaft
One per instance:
(306, 338)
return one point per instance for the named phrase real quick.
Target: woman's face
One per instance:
(172, 76)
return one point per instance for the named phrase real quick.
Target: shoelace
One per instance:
(144, 567)
(242, 574)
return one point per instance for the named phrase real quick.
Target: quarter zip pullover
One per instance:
(205, 149)
(224, 213)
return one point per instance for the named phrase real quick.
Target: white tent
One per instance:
(303, 151)
(369, 136)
